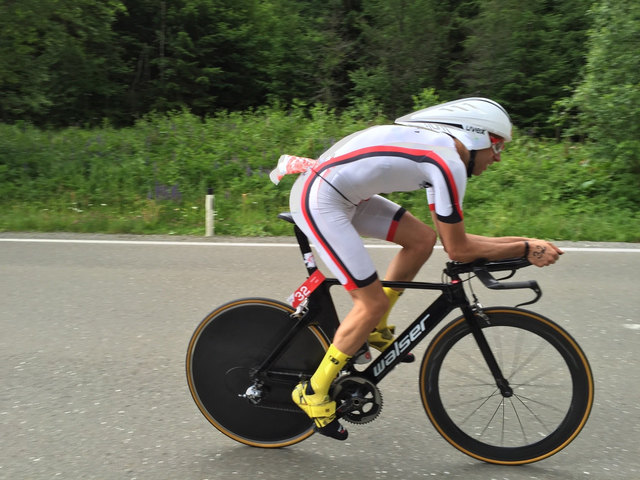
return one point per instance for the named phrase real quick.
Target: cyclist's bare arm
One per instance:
(515, 239)
(463, 247)
(481, 238)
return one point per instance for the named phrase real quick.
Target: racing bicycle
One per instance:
(504, 385)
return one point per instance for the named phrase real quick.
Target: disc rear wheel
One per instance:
(223, 355)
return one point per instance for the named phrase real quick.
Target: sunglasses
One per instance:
(497, 144)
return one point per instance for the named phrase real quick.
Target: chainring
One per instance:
(358, 400)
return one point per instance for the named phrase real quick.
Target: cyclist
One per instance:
(337, 201)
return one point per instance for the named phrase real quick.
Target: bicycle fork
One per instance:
(472, 315)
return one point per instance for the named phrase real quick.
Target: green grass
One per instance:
(256, 219)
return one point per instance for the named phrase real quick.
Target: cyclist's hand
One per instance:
(543, 253)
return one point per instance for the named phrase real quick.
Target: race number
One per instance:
(306, 289)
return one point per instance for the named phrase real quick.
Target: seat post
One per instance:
(305, 249)
(321, 305)
(303, 242)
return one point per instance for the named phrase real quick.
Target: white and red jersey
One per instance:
(336, 201)
(396, 158)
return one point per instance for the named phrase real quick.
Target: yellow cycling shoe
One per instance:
(382, 338)
(321, 409)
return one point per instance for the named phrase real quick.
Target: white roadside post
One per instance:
(209, 213)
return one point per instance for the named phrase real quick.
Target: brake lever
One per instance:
(490, 282)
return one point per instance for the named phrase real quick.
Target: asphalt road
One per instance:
(94, 334)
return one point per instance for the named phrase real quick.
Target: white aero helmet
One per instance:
(470, 120)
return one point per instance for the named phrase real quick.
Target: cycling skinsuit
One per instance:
(336, 201)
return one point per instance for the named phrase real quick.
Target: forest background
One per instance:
(119, 115)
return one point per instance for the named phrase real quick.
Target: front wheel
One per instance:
(550, 376)
(225, 351)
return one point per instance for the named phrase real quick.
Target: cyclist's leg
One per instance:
(381, 218)
(313, 396)
(335, 227)
(417, 241)
(326, 218)
(369, 304)
(384, 219)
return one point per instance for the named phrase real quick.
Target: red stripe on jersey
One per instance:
(392, 230)
(351, 284)
(403, 152)
(450, 181)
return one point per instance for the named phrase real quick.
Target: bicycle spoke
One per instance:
(544, 373)
(501, 403)
(495, 392)
(543, 404)
(515, 411)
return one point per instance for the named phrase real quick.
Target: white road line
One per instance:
(257, 244)
(149, 242)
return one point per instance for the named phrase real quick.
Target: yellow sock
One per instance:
(392, 295)
(328, 369)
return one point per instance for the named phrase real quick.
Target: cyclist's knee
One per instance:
(427, 238)
(375, 306)
(380, 306)
(415, 236)
(372, 302)
(421, 243)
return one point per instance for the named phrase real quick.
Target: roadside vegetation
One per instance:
(152, 178)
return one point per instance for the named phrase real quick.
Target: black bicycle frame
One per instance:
(453, 296)
(321, 311)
